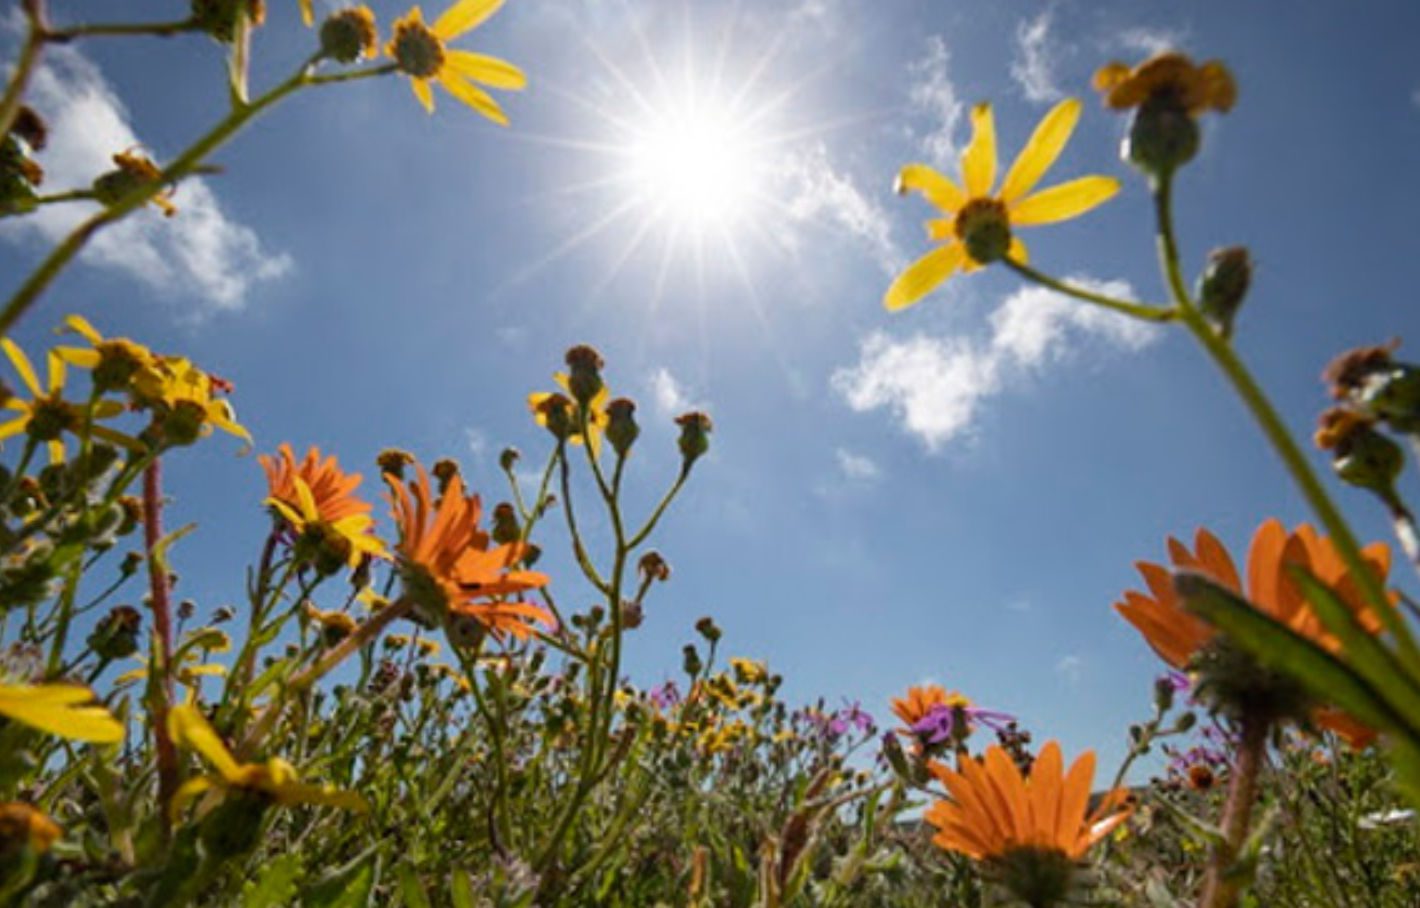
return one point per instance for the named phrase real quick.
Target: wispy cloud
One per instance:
(857, 467)
(1033, 67)
(1070, 667)
(1147, 40)
(669, 393)
(814, 191)
(477, 441)
(937, 386)
(201, 253)
(934, 97)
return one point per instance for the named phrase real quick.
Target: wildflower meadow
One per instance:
(334, 641)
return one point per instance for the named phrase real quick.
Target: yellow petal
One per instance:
(118, 438)
(189, 728)
(423, 92)
(1041, 151)
(488, 70)
(924, 275)
(1060, 203)
(936, 188)
(187, 792)
(56, 373)
(297, 793)
(473, 96)
(464, 15)
(56, 451)
(307, 500)
(22, 365)
(296, 521)
(978, 162)
(13, 427)
(1017, 252)
(74, 356)
(56, 709)
(940, 229)
(308, 14)
(80, 326)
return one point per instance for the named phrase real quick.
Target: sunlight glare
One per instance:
(695, 165)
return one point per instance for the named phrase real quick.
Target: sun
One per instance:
(695, 163)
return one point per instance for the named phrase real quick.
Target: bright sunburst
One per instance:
(697, 164)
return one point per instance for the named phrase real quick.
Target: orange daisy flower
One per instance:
(317, 493)
(1177, 635)
(994, 810)
(446, 563)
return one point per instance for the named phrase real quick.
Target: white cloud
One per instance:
(477, 441)
(933, 385)
(1149, 41)
(933, 95)
(1034, 65)
(1070, 667)
(1415, 97)
(814, 190)
(857, 466)
(669, 394)
(936, 386)
(199, 253)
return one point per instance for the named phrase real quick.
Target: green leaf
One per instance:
(344, 887)
(1365, 654)
(1283, 649)
(276, 886)
(461, 889)
(411, 888)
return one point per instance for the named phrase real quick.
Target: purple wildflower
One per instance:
(664, 696)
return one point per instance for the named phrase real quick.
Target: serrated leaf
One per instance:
(276, 886)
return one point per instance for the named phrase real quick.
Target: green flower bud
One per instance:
(706, 628)
(584, 378)
(219, 18)
(505, 524)
(694, 439)
(1163, 136)
(1394, 395)
(1223, 286)
(690, 660)
(116, 634)
(621, 428)
(508, 458)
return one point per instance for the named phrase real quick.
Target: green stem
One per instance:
(186, 164)
(1220, 889)
(1371, 585)
(107, 29)
(1124, 307)
(655, 517)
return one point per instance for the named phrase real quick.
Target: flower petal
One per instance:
(1041, 151)
(473, 96)
(488, 70)
(423, 92)
(924, 275)
(464, 15)
(937, 189)
(978, 162)
(22, 365)
(80, 326)
(189, 728)
(1060, 203)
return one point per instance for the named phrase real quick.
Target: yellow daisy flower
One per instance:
(184, 389)
(978, 227)
(597, 416)
(59, 709)
(48, 416)
(275, 779)
(420, 53)
(114, 361)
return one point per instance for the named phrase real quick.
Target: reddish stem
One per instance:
(160, 602)
(1218, 890)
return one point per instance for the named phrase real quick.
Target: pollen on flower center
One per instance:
(984, 228)
(417, 51)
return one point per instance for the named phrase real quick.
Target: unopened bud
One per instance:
(694, 439)
(1163, 135)
(632, 614)
(393, 461)
(621, 429)
(584, 378)
(706, 628)
(116, 634)
(444, 470)
(690, 660)
(508, 458)
(555, 412)
(653, 567)
(1223, 286)
(505, 524)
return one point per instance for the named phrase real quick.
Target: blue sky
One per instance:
(954, 493)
